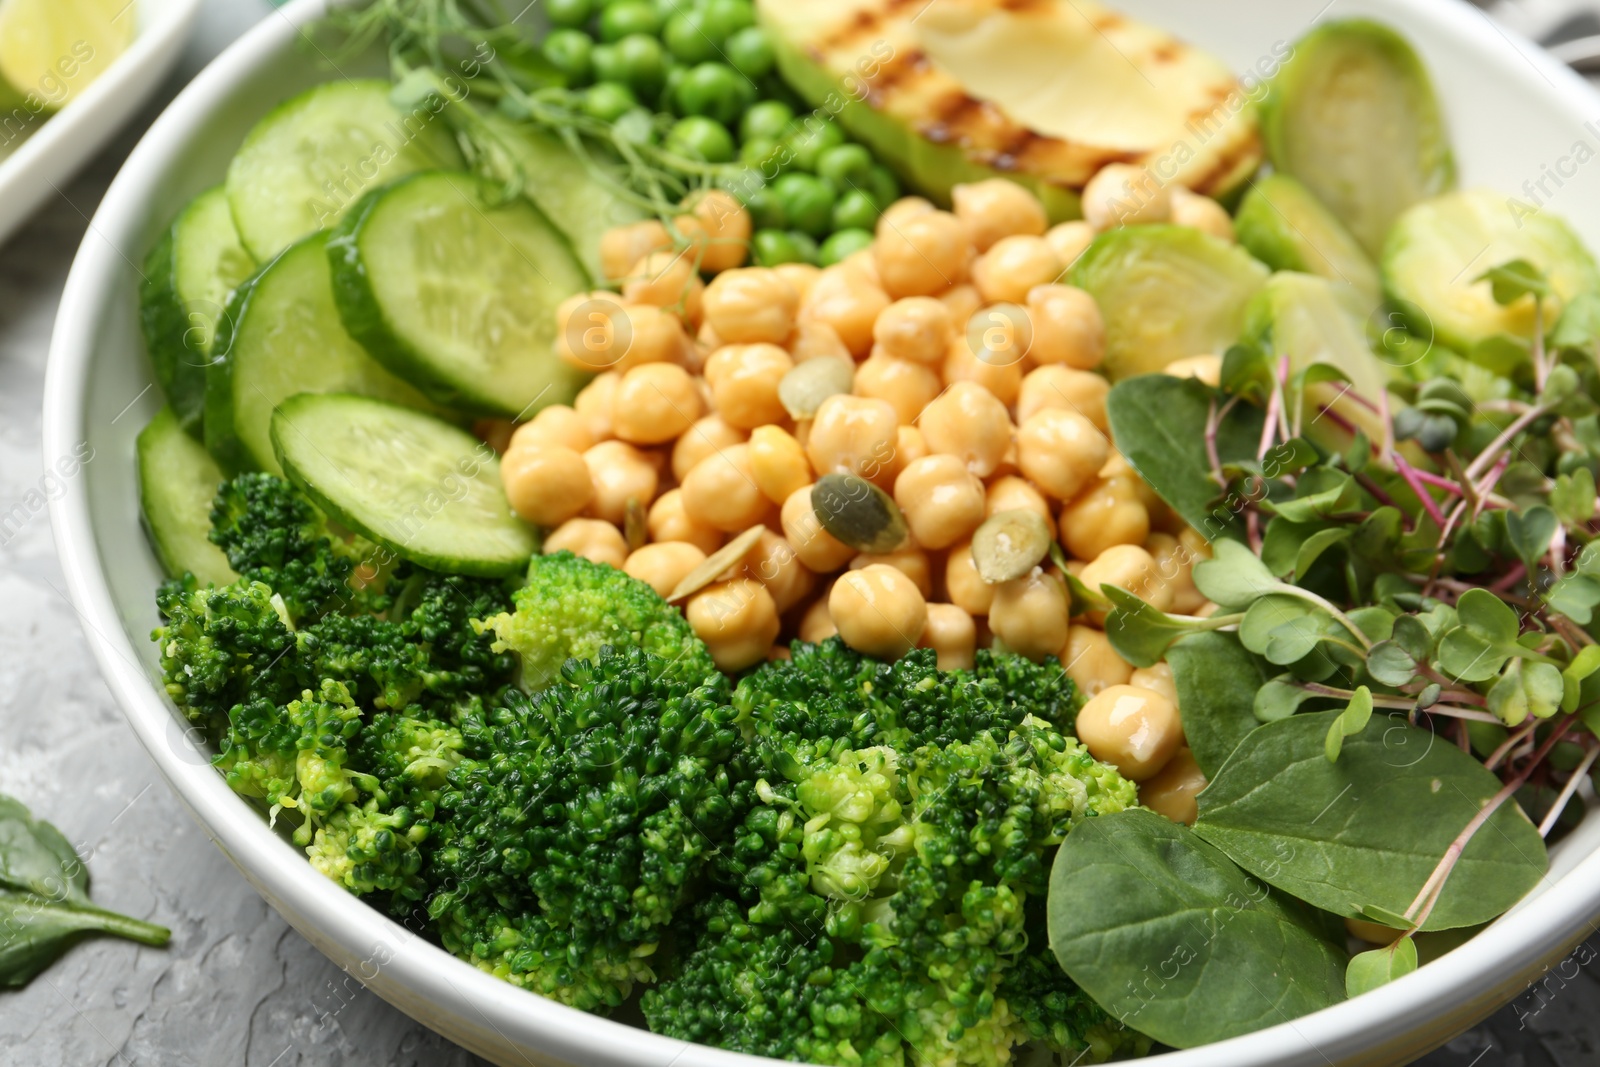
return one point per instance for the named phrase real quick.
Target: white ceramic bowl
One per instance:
(1513, 111)
(49, 158)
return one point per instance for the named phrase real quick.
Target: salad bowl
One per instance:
(1520, 122)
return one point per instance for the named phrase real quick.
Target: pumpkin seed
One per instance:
(804, 388)
(858, 513)
(723, 558)
(1009, 545)
(635, 530)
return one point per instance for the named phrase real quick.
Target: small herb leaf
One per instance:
(1380, 966)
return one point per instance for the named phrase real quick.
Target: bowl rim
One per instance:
(492, 1015)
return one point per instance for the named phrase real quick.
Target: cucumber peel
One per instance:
(178, 480)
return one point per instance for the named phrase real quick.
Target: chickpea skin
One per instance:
(1030, 615)
(1157, 678)
(546, 486)
(778, 463)
(814, 340)
(818, 549)
(1109, 512)
(1131, 568)
(594, 404)
(906, 207)
(774, 563)
(998, 369)
(1067, 327)
(969, 423)
(593, 539)
(655, 403)
(744, 383)
(996, 208)
(1201, 213)
(800, 276)
(908, 387)
(918, 328)
(623, 246)
(962, 301)
(909, 559)
(620, 473)
(1012, 493)
(1175, 566)
(706, 437)
(1207, 369)
(1069, 240)
(942, 501)
(848, 303)
(667, 521)
(853, 435)
(1135, 730)
(726, 225)
(816, 625)
(878, 610)
(664, 564)
(1122, 194)
(1013, 267)
(587, 330)
(721, 491)
(964, 585)
(737, 620)
(922, 255)
(750, 305)
(667, 280)
(1061, 388)
(1172, 790)
(1091, 662)
(1060, 452)
(556, 426)
(952, 635)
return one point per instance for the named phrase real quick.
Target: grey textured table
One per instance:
(237, 986)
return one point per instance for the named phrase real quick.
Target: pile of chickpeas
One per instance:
(963, 384)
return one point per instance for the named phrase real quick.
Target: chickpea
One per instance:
(942, 501)
(751, 304)
(1030, 615)
(705, 438)
(664, 564)
(878, 610)
(815, 340)
(1067, 327)
(1117, 466)
(737, 620)
(1207, 369)
(1201, 213)
(909, 447)
(721, 491)
(816, 625)
(1194, 543)
(546, 486)
(726, 225)
(778, 463)
(1122, 194)
(620, 473)
(667, 521)
(655, 403)
(587, 330)
(594, 404)
(964, 585)
(1091, 662)
(555, 426)
(744, 383)
(1109, 512)
(969, 423)
(800, 276)
(996, 208)
(1172, 790)
(1058, 388)
(1131, 568)
(906, 386)
(667, 280)
(853, 435)
(623, 246)
(1157, 678)
(1175, 566)
(922, 255)
(1060, 452)
(1070, 240)
(649, 335)
(818, 549)
(1135, 730)
(904, 208)
(1014, 266)
(774, 563)
(918, 328)
(1012, 493)
(962, 301)
(953, 636)
(864, 267)
(841, 298)
(593, 539)
(998, 371)
(909, 559)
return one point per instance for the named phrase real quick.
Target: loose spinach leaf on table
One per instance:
(1172, 938)
(1217, 682)
(1371, 828)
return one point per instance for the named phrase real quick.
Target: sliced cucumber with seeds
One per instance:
(188, 278)
(427, 490)
(279, 336)
(458, 293)
(177, 481)
(303, 166)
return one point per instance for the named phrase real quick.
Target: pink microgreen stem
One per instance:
(1568, 790)
(1491, 454)
(1506, 584)
(1414, 479)
(1510, 743)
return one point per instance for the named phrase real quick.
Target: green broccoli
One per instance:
(571, 608)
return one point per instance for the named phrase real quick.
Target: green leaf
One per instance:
(1281, 543)
(1217, 681)
(1391, 664)
(1289, 457)
(1280, 698)
(1336, 500)
(1233, 578)
(1579, 324)
(1531, 531)
(1159, 423)
(1499, 354)
(1371, 828)
(1560, 389)
(1247, 372)
(35, 858)
(1284, 629)
(1526, 689)
(1573, 497)
(1515, 279)
(1380, 966)
(1378, 536)
(1585, 663)
(1351, 721)
(1316, 545)
(1575, 596)
(1140, 633)
(1475, 650)
(1175, 941)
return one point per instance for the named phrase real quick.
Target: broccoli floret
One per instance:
(572, 607)
(580, 822)
(220, 648)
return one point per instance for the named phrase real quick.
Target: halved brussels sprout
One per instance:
(1353, 115)
(1166, 292)
(1439, 249)
(1284, 225)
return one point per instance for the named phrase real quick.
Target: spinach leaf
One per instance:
(1172, 938)
(1217, 682)
(1371, 828)
(1159, 424)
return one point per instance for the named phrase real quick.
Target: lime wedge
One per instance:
(53, 49)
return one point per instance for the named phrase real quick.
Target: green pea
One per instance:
(643, 64)
(627, 18)
(750, 52)
(761, 153)
(669, 8)
(609, 101)
(855, 210)
(807, 245)
(846, 166)
(569, 51)
(724, 18)
(766, 210)
(607, 63)
(715, 90)
(842, 245)
(808, 200)
(767, 118)
(568, 13)
(636, 126)
(687, 39)
(667, 100)
(813, 135)
(769, 248)
(701, 138)
(883, 185)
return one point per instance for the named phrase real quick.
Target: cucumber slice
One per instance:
(178, 480)
(1353, 115)
(281, 335)
(1284, 225)
(458, 294)
(1438, 248)
(1166, 292)
(188, 278)
(308, 161)
(428, 491)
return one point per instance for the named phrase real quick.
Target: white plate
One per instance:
(1512, 114)
(44, 162)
